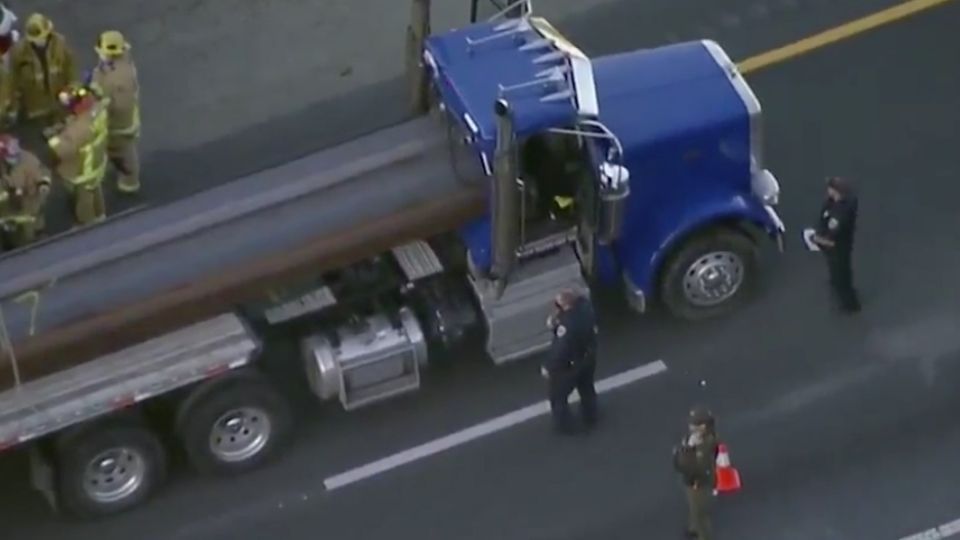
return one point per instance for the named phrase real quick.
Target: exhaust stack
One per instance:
(505, 226)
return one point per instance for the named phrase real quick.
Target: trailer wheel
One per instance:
(109, 468)
(234, 426)
(710, 275)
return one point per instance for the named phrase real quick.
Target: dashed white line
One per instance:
(946, 530)
(482, 429)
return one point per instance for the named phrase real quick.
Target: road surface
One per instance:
(843, 428)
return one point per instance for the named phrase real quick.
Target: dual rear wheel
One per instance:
(226, 426)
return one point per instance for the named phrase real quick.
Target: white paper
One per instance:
(808, 235)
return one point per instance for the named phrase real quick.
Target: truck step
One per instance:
(516, 321)
(418, 260)
(310, 302)
(548, 242)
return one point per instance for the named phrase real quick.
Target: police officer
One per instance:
(695, 460)
(571, 362)
(834, 235)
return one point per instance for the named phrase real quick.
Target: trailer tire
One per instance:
(235, 426)
(710, 275)
(109, 468)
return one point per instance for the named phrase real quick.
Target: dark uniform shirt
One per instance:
(697, 464)
(838, 222)
(574, 338)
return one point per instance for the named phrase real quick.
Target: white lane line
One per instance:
(480, 430)
(946, 530)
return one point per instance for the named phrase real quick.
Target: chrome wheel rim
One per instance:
(114, 475)
(713, 278)
(240, 434)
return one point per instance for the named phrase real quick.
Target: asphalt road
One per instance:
(843, 428)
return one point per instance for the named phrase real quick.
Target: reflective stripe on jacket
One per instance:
(81, 147)
(117, 79)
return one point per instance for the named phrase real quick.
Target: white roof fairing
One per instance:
(581, 69)
(547, 81)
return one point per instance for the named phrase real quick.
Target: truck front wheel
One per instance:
(109, 468)
(710, 275)
(234, 426)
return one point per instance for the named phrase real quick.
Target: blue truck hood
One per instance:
(656, 95)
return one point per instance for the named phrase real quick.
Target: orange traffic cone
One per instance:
(728, 478)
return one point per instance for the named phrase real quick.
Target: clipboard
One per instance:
(808, 235)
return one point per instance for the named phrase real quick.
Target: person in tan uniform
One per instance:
(80, 151)
(26, 184)
(42, 65)
(8, 38)
(116, 77)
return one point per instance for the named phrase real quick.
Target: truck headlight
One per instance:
(766, 187)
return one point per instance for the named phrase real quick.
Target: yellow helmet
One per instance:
(38, 28)
(112, 43)
(74, 96)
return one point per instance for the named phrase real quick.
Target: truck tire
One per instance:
(710, 275)
(234, 426)
(109, 468)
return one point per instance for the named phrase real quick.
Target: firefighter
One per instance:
(26, 184)
(80, 150)
(116, 76)
(42, 66)
(8, 37)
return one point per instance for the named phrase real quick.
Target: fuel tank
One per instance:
(96, 290)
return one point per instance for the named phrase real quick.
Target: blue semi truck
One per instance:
(532, 168)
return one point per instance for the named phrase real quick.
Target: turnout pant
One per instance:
(561, 385)
(87, 203)
(841, 279)
(122, 151)
(698, 505)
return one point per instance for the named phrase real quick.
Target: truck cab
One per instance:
(647, 165)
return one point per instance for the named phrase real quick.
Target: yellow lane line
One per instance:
(838, 33)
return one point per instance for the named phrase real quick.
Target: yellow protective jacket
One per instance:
(6, 86)
(117, 79)
(81, 147)
(29, 182)
(39, 75)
